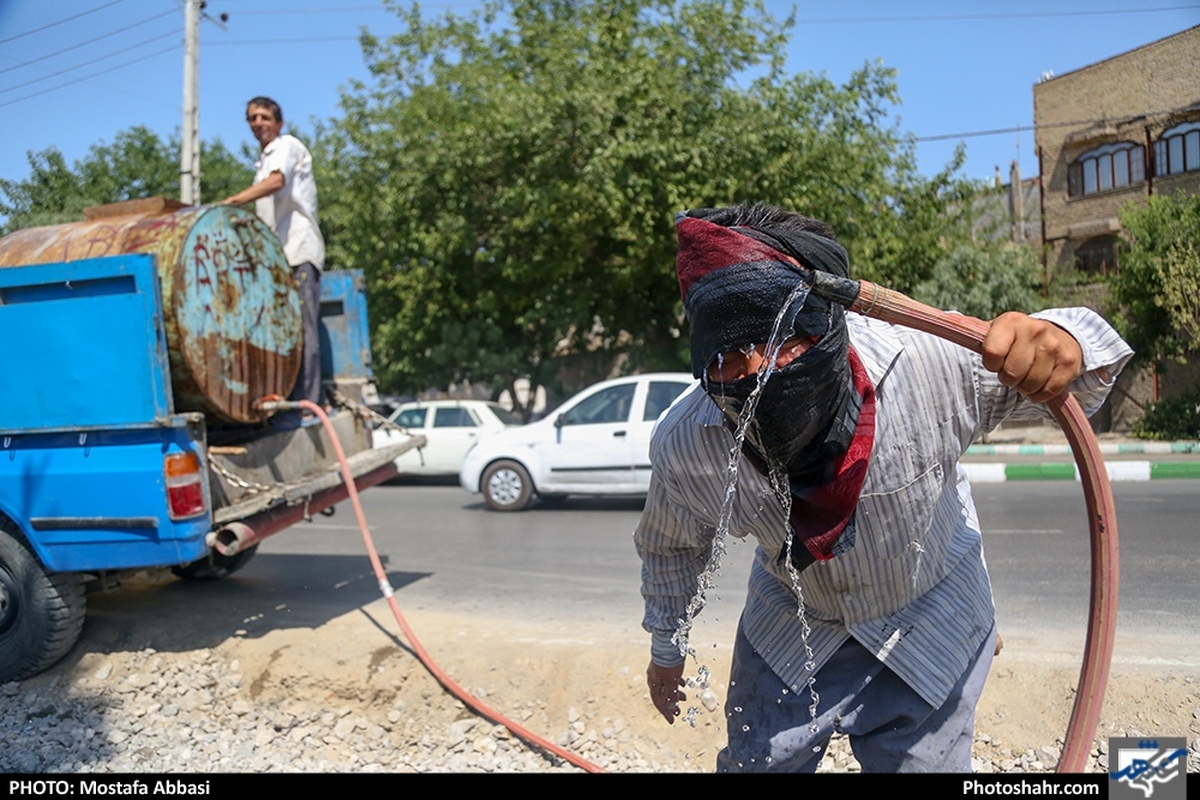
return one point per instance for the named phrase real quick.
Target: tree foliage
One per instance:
(1157, 289)
(508, 180)
(137, 164)
(984, 281)
(1173, 419)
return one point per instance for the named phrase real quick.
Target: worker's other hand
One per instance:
(664, 683)
(1035, 357)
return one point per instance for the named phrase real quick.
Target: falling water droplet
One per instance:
(706, 579)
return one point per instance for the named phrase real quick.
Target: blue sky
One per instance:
(963, 67)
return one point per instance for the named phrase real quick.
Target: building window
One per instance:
(1097, 256)
(1178, 150)
(1113, 166)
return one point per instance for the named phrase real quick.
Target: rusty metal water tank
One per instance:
(231, 310)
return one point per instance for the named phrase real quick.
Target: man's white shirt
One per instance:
(292, 211)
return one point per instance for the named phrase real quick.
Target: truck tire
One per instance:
(214, 565)
(506, 486)
(41, 614)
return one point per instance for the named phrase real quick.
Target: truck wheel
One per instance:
(41, 614)
(214, 565)
(506, 486)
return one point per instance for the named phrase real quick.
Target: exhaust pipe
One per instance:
(235, 537)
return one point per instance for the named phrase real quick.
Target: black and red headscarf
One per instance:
(815, 418)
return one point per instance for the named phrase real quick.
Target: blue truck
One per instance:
(105, 466)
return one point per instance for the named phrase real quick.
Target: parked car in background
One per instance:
(450, 428)
(596, 443)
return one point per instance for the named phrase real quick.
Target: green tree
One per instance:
(984, 281)
(1157, 288)
(508, 180)
(136, 164)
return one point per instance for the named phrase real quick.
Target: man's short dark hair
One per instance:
(762, 215)
(269, 104)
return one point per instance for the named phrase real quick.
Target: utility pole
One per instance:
(189, 156)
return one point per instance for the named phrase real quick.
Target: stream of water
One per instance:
(779, 485)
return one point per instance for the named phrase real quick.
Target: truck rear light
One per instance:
(185, 486)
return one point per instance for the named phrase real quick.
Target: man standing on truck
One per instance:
(285, 196)
(869, 610)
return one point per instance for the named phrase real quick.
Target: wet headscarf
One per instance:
(735, 283)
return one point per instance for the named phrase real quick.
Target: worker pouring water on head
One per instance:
(869, 610)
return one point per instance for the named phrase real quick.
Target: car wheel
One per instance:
(41, 613)
(214, 565)
(506, 486)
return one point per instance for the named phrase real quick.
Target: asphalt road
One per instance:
(574, 567)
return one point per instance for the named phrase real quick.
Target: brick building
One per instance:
(1109, 134)
(1112, 133)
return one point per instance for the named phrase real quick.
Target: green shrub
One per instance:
(1174, 419)
(1157, 288)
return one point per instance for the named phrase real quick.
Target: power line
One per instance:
(339, 9)
(968, 17)
(312, 10)
(60, 22)
(89, 41)
(175, 32)
(969, 134)
(1047, 126)
(172, 48)
(303, 40)
(814, 21)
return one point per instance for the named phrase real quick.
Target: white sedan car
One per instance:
(596, 443)
(450, 428)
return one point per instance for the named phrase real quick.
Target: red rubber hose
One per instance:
(875, 301)
(386, 588)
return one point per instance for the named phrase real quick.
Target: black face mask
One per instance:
(803, 420)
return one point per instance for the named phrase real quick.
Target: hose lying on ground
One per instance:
(389, 593)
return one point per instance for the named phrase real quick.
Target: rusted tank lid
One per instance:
(145, 205)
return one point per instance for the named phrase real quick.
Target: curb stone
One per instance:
(1060, 471)
(1106, 448)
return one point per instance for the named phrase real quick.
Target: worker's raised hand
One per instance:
(1035, 357)
(664, 683)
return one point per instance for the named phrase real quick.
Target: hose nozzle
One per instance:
(834, 288)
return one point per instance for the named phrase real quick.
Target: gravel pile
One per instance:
(150, 712)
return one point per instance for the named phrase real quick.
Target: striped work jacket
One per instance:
(914, 588)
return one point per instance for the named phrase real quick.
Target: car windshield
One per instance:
(504, 415)
(410, 417)
(661, 395)
(608, 405)
(454, 417)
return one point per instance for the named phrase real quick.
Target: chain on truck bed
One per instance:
(255, 496)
